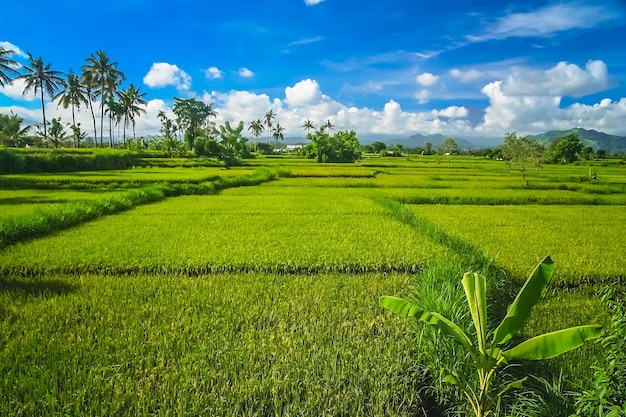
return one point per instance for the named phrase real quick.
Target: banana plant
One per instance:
(488, 350)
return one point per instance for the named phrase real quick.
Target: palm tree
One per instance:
(277, 133)
(89, 82)
(268, 117)
(106, 77)
(308, 125)
(73, 93)
(133, 101)
(40, 78)
(256, 127)
(328, 126)
(115, 110)
(6, 66)
(113, 84)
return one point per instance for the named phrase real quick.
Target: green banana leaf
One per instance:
(519, 311)
(475, 291)
(553, 344)
(405, 308)
(400, 306)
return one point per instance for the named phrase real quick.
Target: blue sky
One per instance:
(463, 68)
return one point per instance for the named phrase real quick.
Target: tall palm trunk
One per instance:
(111, 130)
(93, 117)
(125, 119)
(101, 121)
(43, 111)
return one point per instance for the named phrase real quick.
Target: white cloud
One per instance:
(312, 2)
(427, 79)
(306, 92)
(562, 80)
(547, 21)
(239, 105)
(304, 100)
(465, 76)
(9, 46)
(163, 74)
(422, 96)
(15, 90)
(452, 112)
(213, 72)
(245, 72)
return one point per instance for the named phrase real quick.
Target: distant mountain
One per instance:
(597, 140)
(436, 140)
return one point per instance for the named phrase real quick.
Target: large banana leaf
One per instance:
(553, 344)
(475, 292)
(400, 306)
(519, 311)
(405, 308)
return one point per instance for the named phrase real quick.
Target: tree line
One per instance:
(100, 81)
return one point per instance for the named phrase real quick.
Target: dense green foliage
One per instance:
(343, 146)
(488, 356)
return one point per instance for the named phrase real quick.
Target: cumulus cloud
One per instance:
(245, 72)
(163, 74)
(427, 79)
(508, 109)
(546, 21)
(303, 93)
(213, 72)
(534, 114)
(452, 112)
(240, 105)
(562, 80)
(15, 90)
(312, 2)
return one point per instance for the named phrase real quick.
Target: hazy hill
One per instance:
(421, 140)
(597, 140)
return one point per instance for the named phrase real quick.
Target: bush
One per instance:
(10, 162)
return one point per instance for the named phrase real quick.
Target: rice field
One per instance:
(576, 237)
(263, 300)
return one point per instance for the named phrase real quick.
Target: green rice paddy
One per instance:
(263, 300)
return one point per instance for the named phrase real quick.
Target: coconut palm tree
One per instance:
(6, 66)
(91, 86)
(328, 125)
(277, 133)
(133, 101)
(267, 118)
(40, 78)
(115, 111)
(308, 125)
(73, 94)
(106, 76)
(256, 127)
